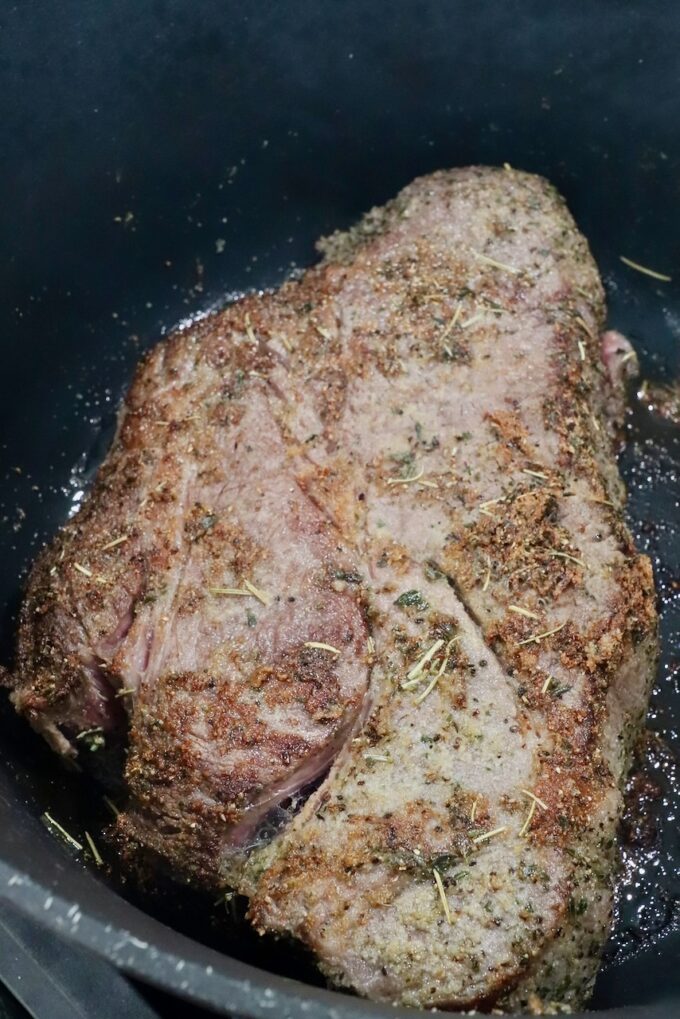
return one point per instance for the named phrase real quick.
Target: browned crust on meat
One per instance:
(429, 418)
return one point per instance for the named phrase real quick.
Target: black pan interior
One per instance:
(162, 157)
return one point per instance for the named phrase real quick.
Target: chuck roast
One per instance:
(361, 540)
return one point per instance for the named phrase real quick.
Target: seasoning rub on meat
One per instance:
(362, 540)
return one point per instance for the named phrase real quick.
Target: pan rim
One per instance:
(220, 982)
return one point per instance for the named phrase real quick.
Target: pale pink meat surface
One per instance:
(406, 457)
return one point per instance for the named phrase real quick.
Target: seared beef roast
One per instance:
(372, 522)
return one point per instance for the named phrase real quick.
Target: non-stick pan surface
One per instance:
(160, 156)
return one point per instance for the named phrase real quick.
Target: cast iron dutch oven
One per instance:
(160, 155)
